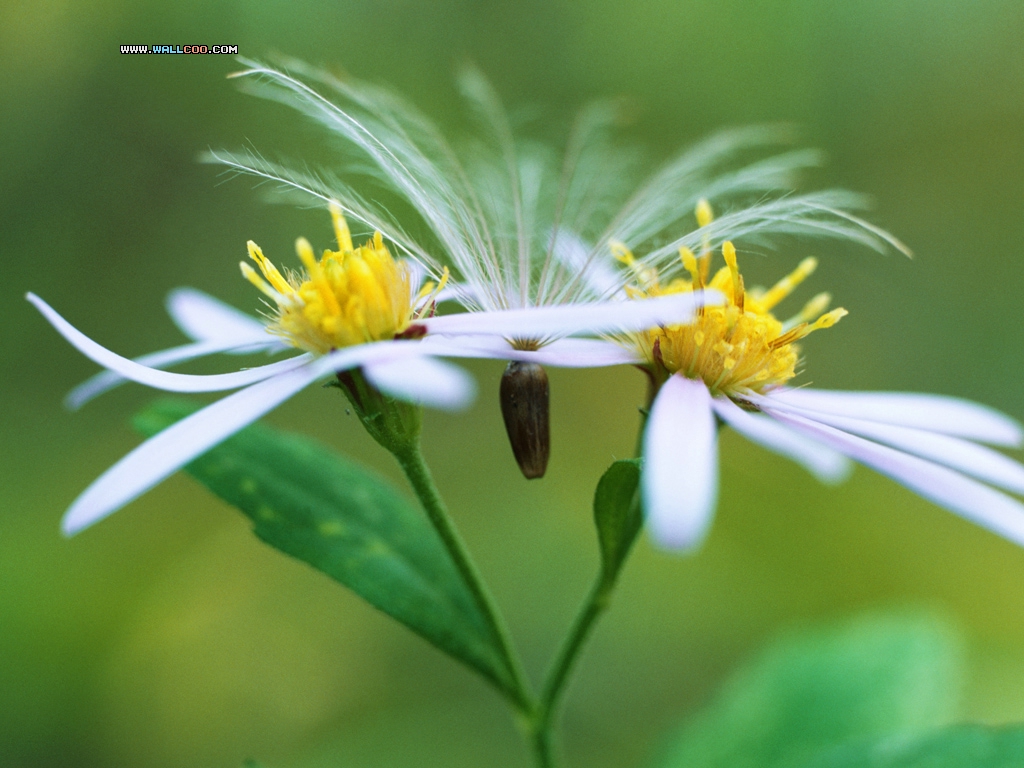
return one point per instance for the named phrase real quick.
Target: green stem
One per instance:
(543, 755)
(593, 606)
(416, 470)
(558, 675)
(652, 391)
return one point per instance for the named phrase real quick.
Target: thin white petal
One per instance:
(165, 453)
(564, 353)
(936, 413)
(423, 380)
(679, 483)
(244, 347)
(970, 458)
(417, 273)
(204, 318)
(565, 320)
(461, 294)
(574, 254)
(172, 382)
(105, 381)
(825, 464)
(945, 487)
(581, 353)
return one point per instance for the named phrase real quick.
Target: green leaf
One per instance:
(617, 515)
(317, 506)
(874, 676)
(965, 746)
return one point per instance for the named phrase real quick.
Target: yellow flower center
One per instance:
(738, 346)
(350, 296)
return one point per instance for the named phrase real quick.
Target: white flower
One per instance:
(352, 308)
(732, 365)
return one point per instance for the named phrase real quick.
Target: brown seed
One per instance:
(525, 407)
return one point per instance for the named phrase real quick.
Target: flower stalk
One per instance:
(410, 457)
(595, 604)
(593, 607)
(396, 426)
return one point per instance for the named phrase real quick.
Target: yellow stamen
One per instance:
(428, 294)
(308, 258)
(346, 297)
(786, 285)
(812, 309)
(316, 275)
(805, 329)
(341, 231)
(621, 252)
(738, 294)
(426, 290)
(691, 266)
(737, 347)
(704, 216)
(704, 213)
(828, 319)
(250, 274)
(269, 270)
(645, 276)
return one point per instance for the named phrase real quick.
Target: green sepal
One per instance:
(871, 678)
(347, 522)
(395, 424)
(617, 515)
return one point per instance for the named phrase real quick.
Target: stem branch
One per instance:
(416, 470)
(593, 606)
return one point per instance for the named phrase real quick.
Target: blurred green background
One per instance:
(169, 636)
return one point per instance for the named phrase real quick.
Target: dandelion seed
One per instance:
(522, 227)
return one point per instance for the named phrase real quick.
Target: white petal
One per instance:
(565, 320)
(204, 318)
(581, 353)
(423, 380)
(461, 294)
(565, 353)
(165, 453)
(679, 483)
(970, 458)
(936, 413)
(574, 254)
(417, 274)
(172, 382)
(103, 382)
(822, 462)
(945, 487)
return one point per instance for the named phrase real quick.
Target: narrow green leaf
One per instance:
(964, 746)
(617, 515)
(347, 522)
(872, 677)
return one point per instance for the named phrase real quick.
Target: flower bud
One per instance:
(525, 407)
